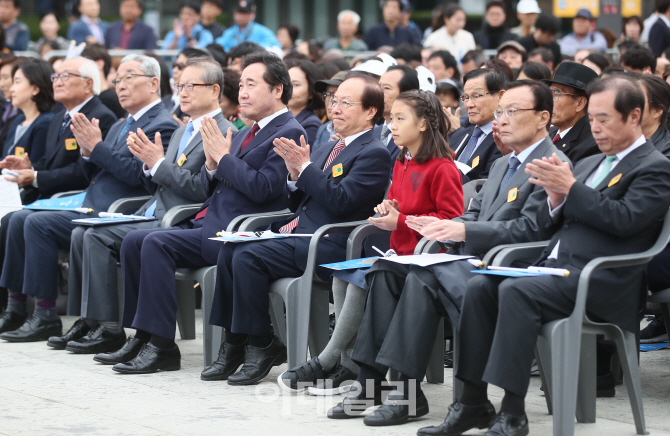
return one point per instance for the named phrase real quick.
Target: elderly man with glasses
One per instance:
(572, 132)
(113, 173)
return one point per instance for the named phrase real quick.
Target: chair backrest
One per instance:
(470, 190)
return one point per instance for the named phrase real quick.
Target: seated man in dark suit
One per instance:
(405, 303)
(474, 145)
(113, 172)
(397, 79)
(241, 176)
(340, 182)
(612, 204)
(174, 178)
(58, 170)
(572, 134)
(130, 33)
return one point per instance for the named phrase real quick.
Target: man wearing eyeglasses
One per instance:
(58, 170)
(171, 102)
(572, 131)
(406, 303)
(174, 178)
(474, 145)
(113, 173)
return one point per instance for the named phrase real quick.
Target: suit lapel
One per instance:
(266, 132)
(479, 150)
(171, 154)
(349, 151)
(628, 163)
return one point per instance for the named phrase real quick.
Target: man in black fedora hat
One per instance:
(572, 132)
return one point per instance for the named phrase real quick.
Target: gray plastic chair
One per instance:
(566, 347)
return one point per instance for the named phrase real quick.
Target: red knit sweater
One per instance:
(433, 188)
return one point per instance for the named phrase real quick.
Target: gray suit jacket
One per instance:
(493, 220)
(175, 185)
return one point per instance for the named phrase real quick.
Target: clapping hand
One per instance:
(214, 143)
(388, 209)
(293, 155)
(16, 162)
(141, 147)
(87, 132)
(436, 229)
(554, 175)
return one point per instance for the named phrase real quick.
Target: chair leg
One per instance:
(458, 383)
(211, 335)
(186, 309)
(626, 347)
(297, 324)
(543, 358)
(435, 370)
(565, 345)
(586, 389)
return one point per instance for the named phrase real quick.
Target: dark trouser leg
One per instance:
(162, 253)
(45, 234)
(15, 252)
(75, 271)
(4, 224)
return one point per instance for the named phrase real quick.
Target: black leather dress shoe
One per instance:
(151, 359)
(357, 401)
(98, 340)
(258, 362)
(509, 425)
(10, 321)
(35, 329)
(230, 358)
(462, 418)
(395, 411)
(128, 352)
(78, 330)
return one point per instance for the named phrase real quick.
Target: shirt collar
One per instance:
(90, 21)
(349, 139)
(265, 121)
(524, 154)
(639, 143)
(137, 115)
(198, 121)
(77, 108)
(564, 132)
(487, 128)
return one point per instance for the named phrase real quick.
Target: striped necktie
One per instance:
(288, 228)
(464, 157)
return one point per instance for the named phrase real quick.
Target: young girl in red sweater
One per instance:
(425, 182)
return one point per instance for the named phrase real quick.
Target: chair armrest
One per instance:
(429, 247)
(123, 205)
(356, 238)
(505, 255)
(65, 194)
(251, 222)
(178, 214)
(310, 269)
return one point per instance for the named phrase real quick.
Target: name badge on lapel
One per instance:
(181, 159)
(475, 162)
(512, 194)
(614, 180)
(19, 151)
(70, 144)
(337, 170)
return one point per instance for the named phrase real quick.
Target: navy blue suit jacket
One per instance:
(59, 169)
(324, 198)
(142, 37)
(78, 31)
(311, 123)
(486, 153)
(659, 37)
(112, 170)
(33, 140)
(249, 181)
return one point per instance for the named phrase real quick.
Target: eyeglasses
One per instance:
(343, 104)
(65, 76)
(127, 79)
(328, 95)
(509, 112)
(180, 66)
(557, 93)
(188, 87)
(465, 98)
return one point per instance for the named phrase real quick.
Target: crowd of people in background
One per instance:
(246, 120)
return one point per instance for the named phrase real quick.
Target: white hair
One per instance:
(354, 15)
(148, 66)
(89, 70)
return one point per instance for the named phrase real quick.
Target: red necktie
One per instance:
(201, 214)
(556, 139)
(288, 228)
(250, 136)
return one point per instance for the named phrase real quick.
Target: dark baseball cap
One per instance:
(584, 13)
(336, 80)
(245, 6)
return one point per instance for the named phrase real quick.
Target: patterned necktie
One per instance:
(385, 134)
(126, 128)
(64, 124)
(252, 134)
(288, 228)
(607, 167)
(465, 155)
(511, 169)
(557, 139)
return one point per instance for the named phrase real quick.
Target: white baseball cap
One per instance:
(528, 7)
